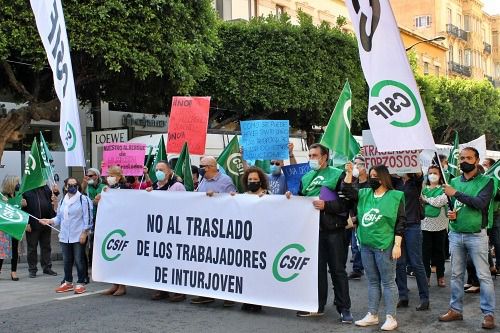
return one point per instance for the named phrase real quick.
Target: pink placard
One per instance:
(129, 156)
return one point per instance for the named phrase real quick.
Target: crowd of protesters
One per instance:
(397, 225)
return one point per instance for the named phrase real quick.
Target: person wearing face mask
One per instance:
(495, 226)
(471, 195)
(332, 238)
(434, 225)
(195, 171)
(360, 174)
(74, 217)
(9, 246)
(382, 221)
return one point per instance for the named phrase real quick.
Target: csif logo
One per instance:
(70, 136)
(113, 245)
(317, 181)
(289, 260)
(9, 213)
(371, 217)
(234, 164)
(393, 98)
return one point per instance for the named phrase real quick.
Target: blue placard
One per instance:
(265, 139)
(293, 174)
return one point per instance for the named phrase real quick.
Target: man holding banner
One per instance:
(324, 181)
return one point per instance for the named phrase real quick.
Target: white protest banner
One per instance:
(52, 29)
(395, 113)
(244, 248)
(479, 144)
(405, 161)
(129, 156)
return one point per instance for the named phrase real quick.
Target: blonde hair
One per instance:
(9, 184)
(116, 169)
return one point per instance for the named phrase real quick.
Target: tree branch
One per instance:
(15, 84)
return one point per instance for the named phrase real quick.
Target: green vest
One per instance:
(314, 180)
(494, 205)
(469, 219)
(430, 210)
(377, 217)
(94, 191)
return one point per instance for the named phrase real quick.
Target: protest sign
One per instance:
(406, 161)
(188, 123)
(293, 173)
(265, 139)
(129, 156)
(226, 248)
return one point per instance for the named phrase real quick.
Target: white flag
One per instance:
(52, 28)
(395, 113)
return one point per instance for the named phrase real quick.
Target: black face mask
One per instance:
(201, 171)
(253, 186)
(467, 167)
(72, 189)
(17, 188)
(374, 183)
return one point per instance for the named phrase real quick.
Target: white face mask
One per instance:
(90, 182)
(314, 164)
(355, 172)
(433, 178)
(111, 181)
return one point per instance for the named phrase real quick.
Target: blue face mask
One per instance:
(72, 189)
(275, 170)
(314, 164)
(201, 171)
(160, 175)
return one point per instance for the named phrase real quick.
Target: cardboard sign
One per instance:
(293, 173)
(406, 161)
(265, 139)
(129, 156)
(188, 123)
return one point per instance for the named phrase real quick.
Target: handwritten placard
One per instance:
(188, 123)
(293, 173)
(129, 156)
(265, 139)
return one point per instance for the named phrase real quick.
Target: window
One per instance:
(494, 36)
(450, 53)
(426, 68)
(459, 20)
(467, 58)
(466, 23)
(423, 21)
(460, 57)
(450, 20)
(436, 71)
(280, 10)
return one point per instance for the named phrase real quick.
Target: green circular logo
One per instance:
(293, 262)
(112, 245)
(392, 104)
(70, 136)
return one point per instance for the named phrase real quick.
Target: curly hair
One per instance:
(262, 177)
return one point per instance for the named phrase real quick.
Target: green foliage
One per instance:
(270, 69)
(471, 107)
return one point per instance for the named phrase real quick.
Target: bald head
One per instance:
(209, 164)
(208, 160)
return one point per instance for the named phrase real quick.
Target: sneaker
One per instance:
(202, 300)
(310, 314)
(80, 289)
(390, 324)
(65, 287)
(346, 317)
(368, 320)
(355, 276)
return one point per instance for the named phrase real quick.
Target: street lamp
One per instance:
(435, 39)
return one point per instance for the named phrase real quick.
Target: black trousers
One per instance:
(15, 256)
(433, 250)
(33, 239)
(332, 256)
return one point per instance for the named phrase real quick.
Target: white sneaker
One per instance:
(368, 320)
(390, 323)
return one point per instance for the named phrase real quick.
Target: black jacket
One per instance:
(39, 204)
(412, 189)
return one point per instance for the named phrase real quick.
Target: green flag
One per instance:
(494, 170)
(265, 165)
(161, 155)
(337, 136)
(231, 161)
(33, 171)
(46, 158)
(13, 221)
(453, 158)
(183, 168)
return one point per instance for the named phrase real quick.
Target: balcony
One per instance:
(487, 48)
(460, 69)
(457, 32)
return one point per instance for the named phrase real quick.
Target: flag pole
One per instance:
(436, 156)
(147, 162)
(48, 225)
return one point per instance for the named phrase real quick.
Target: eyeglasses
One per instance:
(91, 175)
(275, 163)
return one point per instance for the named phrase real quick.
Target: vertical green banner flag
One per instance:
(337, 136)
(12, 220)
(231, 161)
(46, 158)
(453, 158)
(161, 155)
(494, 171)
(33, 171)
(183, 168)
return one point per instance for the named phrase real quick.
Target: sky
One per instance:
(492, 7)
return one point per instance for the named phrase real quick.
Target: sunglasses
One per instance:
(91, 175)
(205, 166)
(275, 163)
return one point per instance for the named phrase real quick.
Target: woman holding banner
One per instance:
(434, 224)
(381, 216)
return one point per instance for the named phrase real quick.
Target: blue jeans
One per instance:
(476, 246)
(380, 272)
(357, 264)
(411, 254)
(73, 254)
